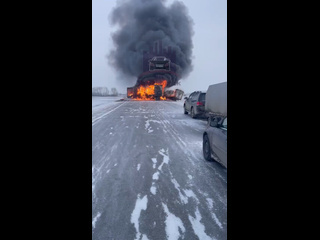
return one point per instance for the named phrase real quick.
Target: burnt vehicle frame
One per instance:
(159, 62)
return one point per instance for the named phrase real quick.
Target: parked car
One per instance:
(215, 140)
(194, 104)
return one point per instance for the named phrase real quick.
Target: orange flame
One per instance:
(147, 92)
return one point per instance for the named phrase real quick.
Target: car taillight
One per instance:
(199, 103)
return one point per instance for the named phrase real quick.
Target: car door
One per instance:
(221, 142)
(188, 102)
(212, 133)
(218, 139)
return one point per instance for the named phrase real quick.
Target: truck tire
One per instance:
(206, 149)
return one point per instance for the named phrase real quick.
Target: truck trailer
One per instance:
(216, 100)
(176, 94)
(157, 93)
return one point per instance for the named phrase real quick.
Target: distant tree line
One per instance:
(104, 91)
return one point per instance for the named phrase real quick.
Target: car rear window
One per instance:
(202, 97)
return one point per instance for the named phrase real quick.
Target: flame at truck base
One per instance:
(151, 92)
(154, 92)
(148, 91)
(152, 84)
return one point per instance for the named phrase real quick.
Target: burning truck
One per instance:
(154, 84)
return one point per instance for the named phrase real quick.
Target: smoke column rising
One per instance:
(141, 23)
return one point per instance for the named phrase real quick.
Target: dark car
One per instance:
(194, 104)
(215, 140)
(159, 63)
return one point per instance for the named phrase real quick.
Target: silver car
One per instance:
(215, 140)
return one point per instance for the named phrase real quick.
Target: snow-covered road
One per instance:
(149, 177)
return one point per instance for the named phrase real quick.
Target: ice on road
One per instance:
(149, 177)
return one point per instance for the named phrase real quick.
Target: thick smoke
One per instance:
(143, 22)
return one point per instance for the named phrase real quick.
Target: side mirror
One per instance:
(186, 98)
(213, 124)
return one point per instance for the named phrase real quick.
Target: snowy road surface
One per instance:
(149, 177)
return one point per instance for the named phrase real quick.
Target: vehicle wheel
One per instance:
(206, 148)
(185, 112)
(192, 113)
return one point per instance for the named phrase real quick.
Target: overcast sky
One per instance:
(209, 45)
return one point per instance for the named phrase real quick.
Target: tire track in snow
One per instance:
(171, 130)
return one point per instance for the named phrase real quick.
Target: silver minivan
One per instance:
(215, 140)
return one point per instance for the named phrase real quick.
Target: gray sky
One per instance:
(209, 45)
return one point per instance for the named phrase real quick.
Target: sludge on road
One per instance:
(149, 177)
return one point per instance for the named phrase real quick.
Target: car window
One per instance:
(202, 97)
(194, 97)
(224, 123)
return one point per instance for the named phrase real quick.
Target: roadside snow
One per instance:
(104, 101)
(95, 119)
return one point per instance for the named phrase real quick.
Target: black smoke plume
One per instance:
(143, 22)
